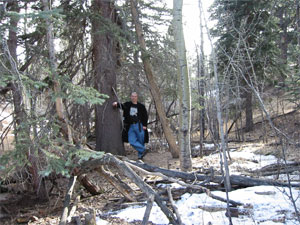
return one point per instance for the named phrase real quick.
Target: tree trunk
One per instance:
(184, 89)
(17, 88)
(60, 111)
(201, 84)
(108, 124)
(22, 125)
(153, 86)
(298, 29)
(248, 110)
(283, 42)
(223, 157)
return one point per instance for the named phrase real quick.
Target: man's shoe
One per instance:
(144, 153)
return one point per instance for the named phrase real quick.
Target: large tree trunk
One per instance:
(108, 124)
(184, 89)
(153, 86)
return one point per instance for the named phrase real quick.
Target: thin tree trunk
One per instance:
(60, 111)
(221, 127)
(221, 124)
(184, 89)
(298, 29)
(248, 111)
(283, 42)
(67, 202)
(22, 125)
(201, 83)
(108, 124)
(12, 48)
(153, 86)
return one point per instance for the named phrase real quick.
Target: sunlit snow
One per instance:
(263, 204)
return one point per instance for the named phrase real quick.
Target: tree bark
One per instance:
(89, 185)
(108, 124)
(184, 89)
(153, 86)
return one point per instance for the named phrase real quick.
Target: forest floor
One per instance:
(262, 200)
(260, 148)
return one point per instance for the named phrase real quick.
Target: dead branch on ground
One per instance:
(109, 159)
(240, 181)
(65, 213)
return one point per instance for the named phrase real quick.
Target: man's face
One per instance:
(134, 97)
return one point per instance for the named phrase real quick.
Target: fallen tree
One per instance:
(109, 159)
(127, 168)
(277, 168)
(240, 181)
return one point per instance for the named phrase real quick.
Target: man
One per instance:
(135, 124)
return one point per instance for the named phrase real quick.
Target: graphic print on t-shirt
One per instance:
(133, 114)
(133, 111)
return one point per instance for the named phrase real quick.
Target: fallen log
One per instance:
(241, 181)
(122, 187)
(276, 169)
(148, 210)
(196, 187)
(73, 209)
(277, 172)
(174, 206)
(90, 218)
(88, 185)
(109, 159)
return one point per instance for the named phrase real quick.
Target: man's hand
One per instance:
(115, 104)
(144, 128)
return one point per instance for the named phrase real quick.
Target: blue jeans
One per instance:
(136, 137)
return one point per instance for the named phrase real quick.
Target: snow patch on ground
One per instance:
(243, 160)
(206, 146)
(100, 221)
(265, 205)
